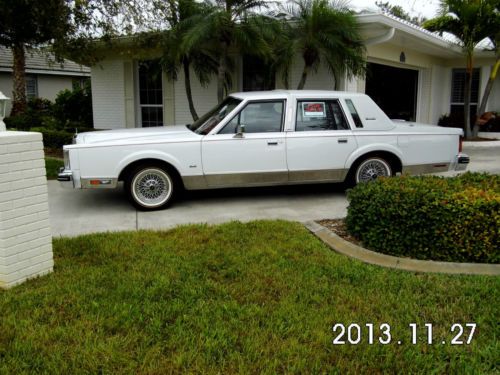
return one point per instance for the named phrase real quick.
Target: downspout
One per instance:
(382, 38)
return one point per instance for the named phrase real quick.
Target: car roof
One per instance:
(272, 94)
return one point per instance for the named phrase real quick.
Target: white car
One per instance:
(258, 139)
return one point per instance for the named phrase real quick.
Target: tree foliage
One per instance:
(399, 12)
(231, 26)
(26, 24)
(323, 32)
(182, 15)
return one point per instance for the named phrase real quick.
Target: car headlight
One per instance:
(66, 159)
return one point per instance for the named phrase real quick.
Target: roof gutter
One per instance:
(381, 38)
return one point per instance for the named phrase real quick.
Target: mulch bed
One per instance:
(338, 227)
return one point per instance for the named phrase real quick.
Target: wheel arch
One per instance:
(394, 161)
(392, 154)
(127, 169)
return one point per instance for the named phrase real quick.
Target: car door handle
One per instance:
(342, 140)
(272, 143)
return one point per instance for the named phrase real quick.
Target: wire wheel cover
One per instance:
(152, 187)
(371, 169)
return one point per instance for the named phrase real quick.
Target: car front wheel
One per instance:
(372, 168)
(150, 188)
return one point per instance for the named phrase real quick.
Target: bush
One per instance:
(37, 111)
(73, 109)
(54, 138)
(429, 217)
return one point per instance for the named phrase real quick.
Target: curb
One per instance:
(482, 144)
(344, 247)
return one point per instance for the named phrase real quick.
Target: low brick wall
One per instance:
(25, 237)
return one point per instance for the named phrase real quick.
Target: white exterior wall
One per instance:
(494, 100)
(204, 98)
(25, 238)
(108, 94)
(424, 96)
(50, 86)
(321, 80)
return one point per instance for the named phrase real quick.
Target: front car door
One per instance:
(320, 143)
(255, 156)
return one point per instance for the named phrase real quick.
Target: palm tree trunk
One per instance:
(221, 72)
(187, 84)
(486, 95)
(468, 84)
(19, 78)
(302, 82)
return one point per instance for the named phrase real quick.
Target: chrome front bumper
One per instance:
(65, 178)
(460, 163)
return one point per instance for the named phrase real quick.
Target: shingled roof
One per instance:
(39, 62)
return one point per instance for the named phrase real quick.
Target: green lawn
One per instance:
(259, 297)
(52, 166)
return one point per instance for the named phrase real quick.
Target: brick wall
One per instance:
(25, 238)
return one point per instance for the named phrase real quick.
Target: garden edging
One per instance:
(344, 247)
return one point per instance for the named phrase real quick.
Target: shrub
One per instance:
(36, 111)
(74, 108)
(54, 138)
(429, 217)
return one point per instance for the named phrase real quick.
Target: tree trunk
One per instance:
(468, 83)
(221, 72)
(486, 95)
(187, 83)
(19, 78)
(303, 78)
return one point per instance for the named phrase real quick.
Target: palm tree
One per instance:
(230, 26)
(323, 31)
(471, 22)
(183, 14)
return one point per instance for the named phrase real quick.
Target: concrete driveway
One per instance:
(74, 212)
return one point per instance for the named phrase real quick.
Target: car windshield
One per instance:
(211, 119)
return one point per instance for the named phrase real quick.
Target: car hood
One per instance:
(165, 133)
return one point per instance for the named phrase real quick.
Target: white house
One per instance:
(412, 74)
(44, 79)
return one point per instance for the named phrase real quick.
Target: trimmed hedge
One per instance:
(429, 217)
(54, 138)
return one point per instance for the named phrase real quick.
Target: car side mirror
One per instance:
(240, 131)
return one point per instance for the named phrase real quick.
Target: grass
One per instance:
(259, 297)
(52, 166)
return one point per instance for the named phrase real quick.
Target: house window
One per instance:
(80, 83)
(150, 93)
(458, 91)
(31, 87)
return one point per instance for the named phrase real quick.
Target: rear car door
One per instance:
(320, 143)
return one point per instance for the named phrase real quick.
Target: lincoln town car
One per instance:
(258, 139)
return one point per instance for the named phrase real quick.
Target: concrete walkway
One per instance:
(74, 212)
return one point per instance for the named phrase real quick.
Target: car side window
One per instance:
(258, 117)
(354, 113)
(320, 114)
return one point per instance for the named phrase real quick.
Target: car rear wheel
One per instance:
(372, 168)
(150, 188)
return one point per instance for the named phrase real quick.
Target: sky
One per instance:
(425, 8)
